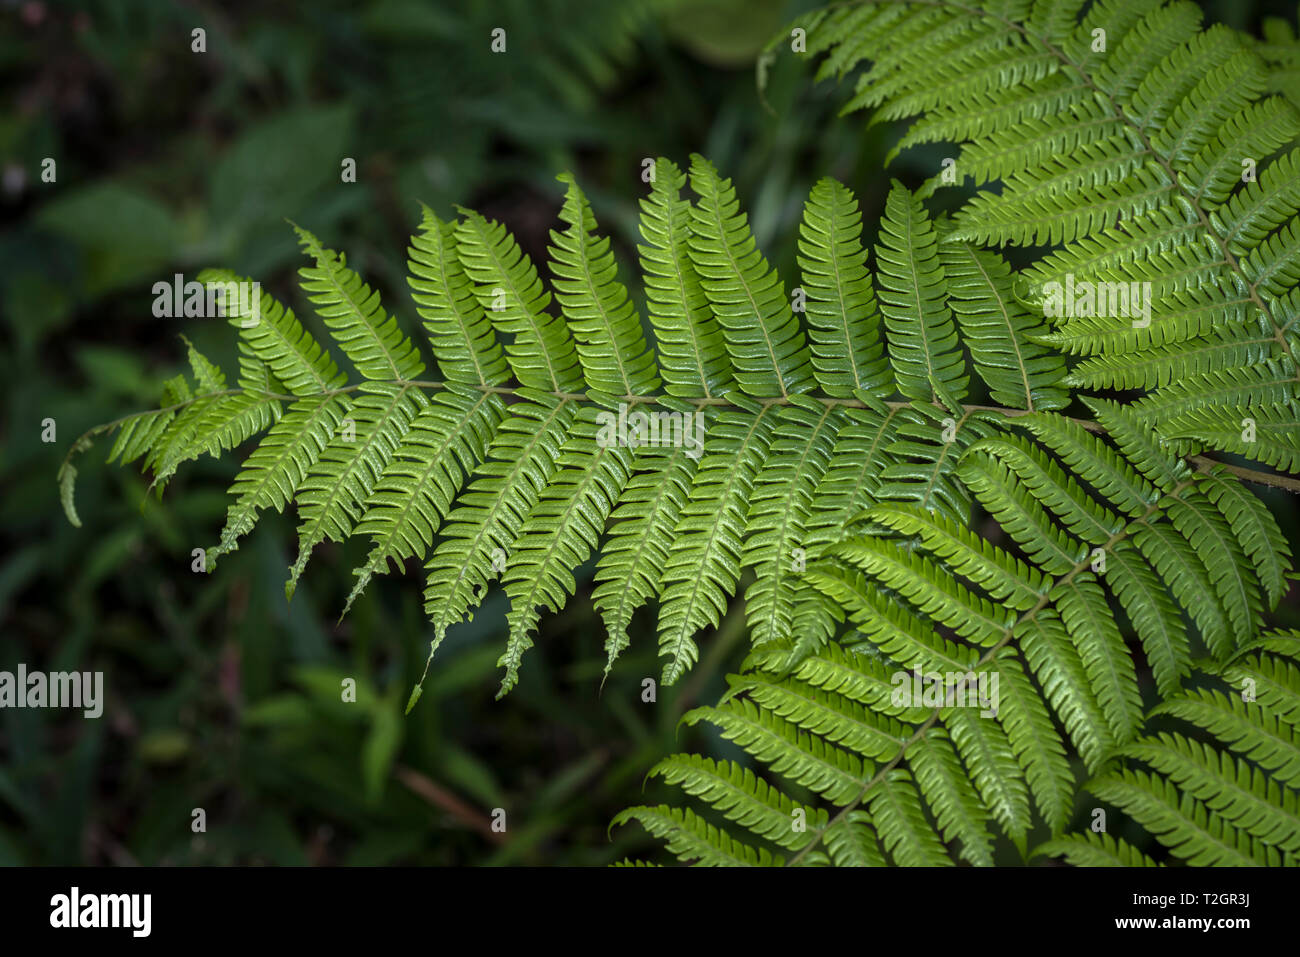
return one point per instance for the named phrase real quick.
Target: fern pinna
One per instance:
(1141, 151)
(831, 438)
(546, 427)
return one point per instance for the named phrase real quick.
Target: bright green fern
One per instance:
(1111, 145)
(955, 488)
(546, 425)
(1146, 152)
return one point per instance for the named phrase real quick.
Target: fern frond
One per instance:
(1091, 849)
(1145, 152)
(331, 499)
(1020, 373)
(934, 778)
(274, 471)
(776, 525)
(547, 444)
(908, 548)
(415, 491)
(692, 356)
(705, 562)
(635, 554)
(272, 339)
(483, 526)
(1231, 801)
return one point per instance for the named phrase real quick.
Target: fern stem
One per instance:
(1270, 479)
(1251, 475)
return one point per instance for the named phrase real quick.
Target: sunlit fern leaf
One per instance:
(1007, 579)
(1062, 558)
(272, 338)
(1186, 825)
(1254, 527)
(899, 816)
(1024, 520)
(216, 419)
(1233, 799)
(547, 444)
(1259, 734)
(741, 797)
(948, 602)
(1241, 794)
(1093, 849)
(704, 563)
(1056, 664)
(1020, 373)
(851, 842)
(185, 433)
(812, 729)
(1178, 565)
(1106, 661)
(465, 474)
(414, 493)
(779, 504)
(614, 356)
(924, 781)
(1025, 717)
(273, 472)
(1154, 615)
(1267, 434)
(1143, 450)
(958, 811)
(1268, 678)
(636, 552)
(1235, 579)
(853, 476)
(1147, 154)
(693, 839)
(331, 500)
(929, 441)
(483, 526)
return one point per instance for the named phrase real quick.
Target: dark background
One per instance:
(220, 694)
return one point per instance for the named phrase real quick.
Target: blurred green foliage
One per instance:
(221, 695)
